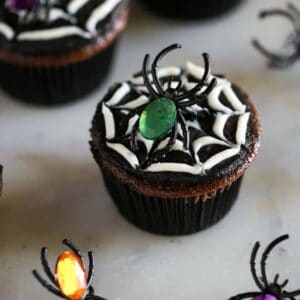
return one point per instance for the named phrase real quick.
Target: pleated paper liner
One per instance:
(58, 84)
(173, 216)
(191, 9)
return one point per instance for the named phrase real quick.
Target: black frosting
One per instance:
(61, 44)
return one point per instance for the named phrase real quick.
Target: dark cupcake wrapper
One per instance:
(172, 216)
(54, 85)
(191, 9)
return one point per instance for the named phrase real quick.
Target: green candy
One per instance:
(158, 118)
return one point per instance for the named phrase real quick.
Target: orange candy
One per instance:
(71, 275)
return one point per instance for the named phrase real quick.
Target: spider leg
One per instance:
(186, 136)
(276, 278)
(72, 247)
(284, 284)
(290, 294)
(211, 86)
(147, 82)
(293, 8)
(45, 265)
(154, 66)
(252, 265)
(276, 60)
(172, 140)
(166, 150)
(91, 268)
(93, 297)
(277, 12)
(46, 285)
(245, 295)
(265, 255)
(133, 141)
(48, 7)
(201, 82)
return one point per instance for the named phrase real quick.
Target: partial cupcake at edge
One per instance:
(173, 144)
(57, 51)
(191, 9)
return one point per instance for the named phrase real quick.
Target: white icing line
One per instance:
(233, 99)
(196, 71)
(175, 167)
(119, 94)
(222, 156)
(125, 152)
(100, 13)
(163, 143)
(148, 143)
(75, 5)
(204, 141)
(242, 129)
(219, 125)
(214, 101)
(50, 34)
(56, 13)
(131, 122)
(135, 103)
(7, 31)
(109, 122)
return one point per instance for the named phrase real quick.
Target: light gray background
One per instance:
(53, 188)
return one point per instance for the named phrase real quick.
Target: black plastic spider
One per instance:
(292, 13)
(31, 8)
(268, 291)
(55, 288)
(180, 100)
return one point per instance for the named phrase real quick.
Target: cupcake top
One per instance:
(182, 121)
(47, 26)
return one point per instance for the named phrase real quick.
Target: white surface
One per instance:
(53, 188)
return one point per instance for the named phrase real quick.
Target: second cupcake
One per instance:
(53, 52)
(173, 145)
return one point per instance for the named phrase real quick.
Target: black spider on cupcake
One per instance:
(269, 290)
(292, 13)
(162, 114)
(30, 9)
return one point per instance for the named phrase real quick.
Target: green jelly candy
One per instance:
(157, 118)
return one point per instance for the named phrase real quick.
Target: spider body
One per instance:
(268, 290)
(168, 105)
(31, 9)
(292, 13)
(71, 281)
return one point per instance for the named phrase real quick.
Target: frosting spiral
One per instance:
(64, 24)
(217, 127)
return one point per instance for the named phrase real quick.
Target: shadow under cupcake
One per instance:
(173, 145)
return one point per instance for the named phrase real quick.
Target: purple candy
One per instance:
(265, 297)
(22, 4)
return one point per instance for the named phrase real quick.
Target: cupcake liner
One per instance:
(58, 84)
(172, 216)
(191, 9)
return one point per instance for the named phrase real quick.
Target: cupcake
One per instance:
(173, 144)
(191, 9)
(56, 51)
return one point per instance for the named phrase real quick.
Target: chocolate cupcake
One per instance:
(191, 9)
(173, 145)
(56, 51)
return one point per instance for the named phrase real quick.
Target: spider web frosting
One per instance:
(217, 126)
(69, 20)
